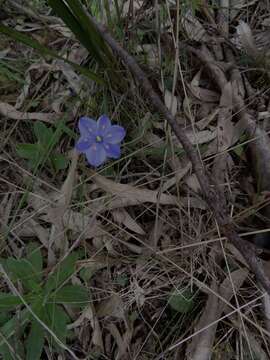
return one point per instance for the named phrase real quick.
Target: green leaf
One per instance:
(74, 295)
(14, 351)
(57, 320)
(29, 151)
(181, 301)
(43, 133)
(4, 317)
(35, 341)
(9, 302)
(43, 50)
(34, 256)
(75, 17)
(6, 352)
(23, 270)
(60, 162)
(63, 272)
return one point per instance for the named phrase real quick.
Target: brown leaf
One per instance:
(170, 101)
(130, 195)
(58, 237)
(200, 137)
(194, 29)
(113, 306)
(121, 216)
(89, 314)
(201, 93)
(246, 38)
(10, 112)
(202, 344)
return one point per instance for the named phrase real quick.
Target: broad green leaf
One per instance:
(43, 133)
(29, 151)
(9, 302)
(45, 51)
(57, 320)
(35, 341)
(60, 162)
(61, 273)
(74, 295)
(181, 301)
(4, 317)
(22, 270)
(33, 164)
(34, 256)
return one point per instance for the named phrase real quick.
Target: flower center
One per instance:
(98, 139)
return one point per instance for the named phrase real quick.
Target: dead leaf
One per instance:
(193, 183)
(237, 5)
(246, 38)
(266, 308)
(136, 5)
(194, 29)
(200, 93)
(89, 314)
(227, 290)
(62, 29)
(139, 293)
(203, 123)
(74, 80)
(121, 343)
(170, 101)
(200, 137)
(121, 216)
(266, 22)
(128, 194)
(259, 149)
(58, 232)
(24, 93)
(113, 306)
(202, 345)
(11, 113)
(180, 172)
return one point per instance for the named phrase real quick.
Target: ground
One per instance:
(163, 252)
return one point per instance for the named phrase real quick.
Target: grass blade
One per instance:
(75, 17)
(43, 50)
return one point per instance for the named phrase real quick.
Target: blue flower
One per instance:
(99, 139)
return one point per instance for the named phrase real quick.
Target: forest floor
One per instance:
(128, 260)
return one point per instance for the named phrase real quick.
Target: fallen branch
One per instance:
(211, 193)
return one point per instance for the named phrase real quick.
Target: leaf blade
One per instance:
(43, 50)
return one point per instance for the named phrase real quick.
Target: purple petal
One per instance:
(114, 135)
(96, 155)
(87, 126)
(112, 150)
(103, 124)
(84, 143)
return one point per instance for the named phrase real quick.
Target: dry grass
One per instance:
(161, 281)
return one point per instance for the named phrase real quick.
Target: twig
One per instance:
(210, 192)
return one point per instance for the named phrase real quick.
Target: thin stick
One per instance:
(211, 193)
